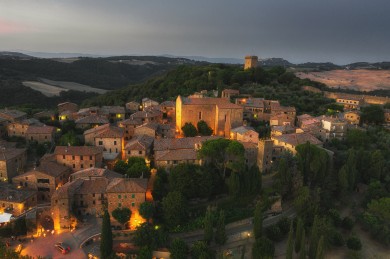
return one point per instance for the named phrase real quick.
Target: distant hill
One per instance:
(13, 55)
(104, 73)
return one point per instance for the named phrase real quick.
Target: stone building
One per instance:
(67, 106)
(113, 113)
(148, 115)
(352, 117)
(148, 103)
(280, 130)
(387, 115)
(265, 155)
(40, 134)
(229, 93)
(250, 62)
(219, 114)
(244, 134)
(127, 193)
(332, 127)
(112, 141)
(95, 172)
(91, 121)
(150, 129)
(169, 152)
(19, 128)
(140, 146)
(168, 109)
(251, 153)
(129, 126)
(16, 201)
(290, 141)
(350, 103)
(79, 157)
(44, 179)
(91, 192)
(12, 162)
(12, 115)
(132, 107)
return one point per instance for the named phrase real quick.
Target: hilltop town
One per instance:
(167, 170)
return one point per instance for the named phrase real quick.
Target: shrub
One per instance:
(284, 225)
(273, 232)
(347, 223)
(334, 215)
(354, 243)
(336, 238)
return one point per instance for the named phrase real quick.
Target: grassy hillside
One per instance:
(271, 83)
(104, 73)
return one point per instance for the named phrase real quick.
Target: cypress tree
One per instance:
(320, 249)
(298, 235)
(290, 242)
(258, 221)
(314, 236)
(302, 254)
(208, 226)
(106, 237)
(220, 234)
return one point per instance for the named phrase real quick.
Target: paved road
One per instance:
(238, 230)
(44, 246)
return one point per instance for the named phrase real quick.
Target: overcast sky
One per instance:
(339, 31)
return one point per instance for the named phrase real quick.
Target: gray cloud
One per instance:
(340, 31)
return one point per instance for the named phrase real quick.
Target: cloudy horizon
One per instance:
(338, 31)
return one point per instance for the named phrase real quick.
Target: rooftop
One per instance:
(296, 139)
(40, 130)
(128, 185)
(92, 119)
(95, 172)
(220, 102)
(10, 153)
(180, 143)
(242, 129)
(11, 194)
(77, 150)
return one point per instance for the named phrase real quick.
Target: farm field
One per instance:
(361, 80)
(51, 88)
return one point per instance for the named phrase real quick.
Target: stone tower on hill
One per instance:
(250, 62)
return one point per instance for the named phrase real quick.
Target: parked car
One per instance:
(62, 247)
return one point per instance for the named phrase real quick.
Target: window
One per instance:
(128, 152)
(63, 156)
(115, 142)
(119, 196)
(133, 196)
(73, 157)
(132, 204)
(90, 157)
(45, 137)
(82, 166)
(200, 115)
(93, 195)
(81, 158)
(100, 143)
(90, 165)
(119, 205)
(74, 166)
(140, 152)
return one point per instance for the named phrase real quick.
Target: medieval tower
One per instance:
(250, 62)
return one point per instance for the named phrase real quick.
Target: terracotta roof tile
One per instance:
(77, 150)
(296, 139)
(128, 185)
(10, 153)
(93, 119)
(95, 172)
(40, 130)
